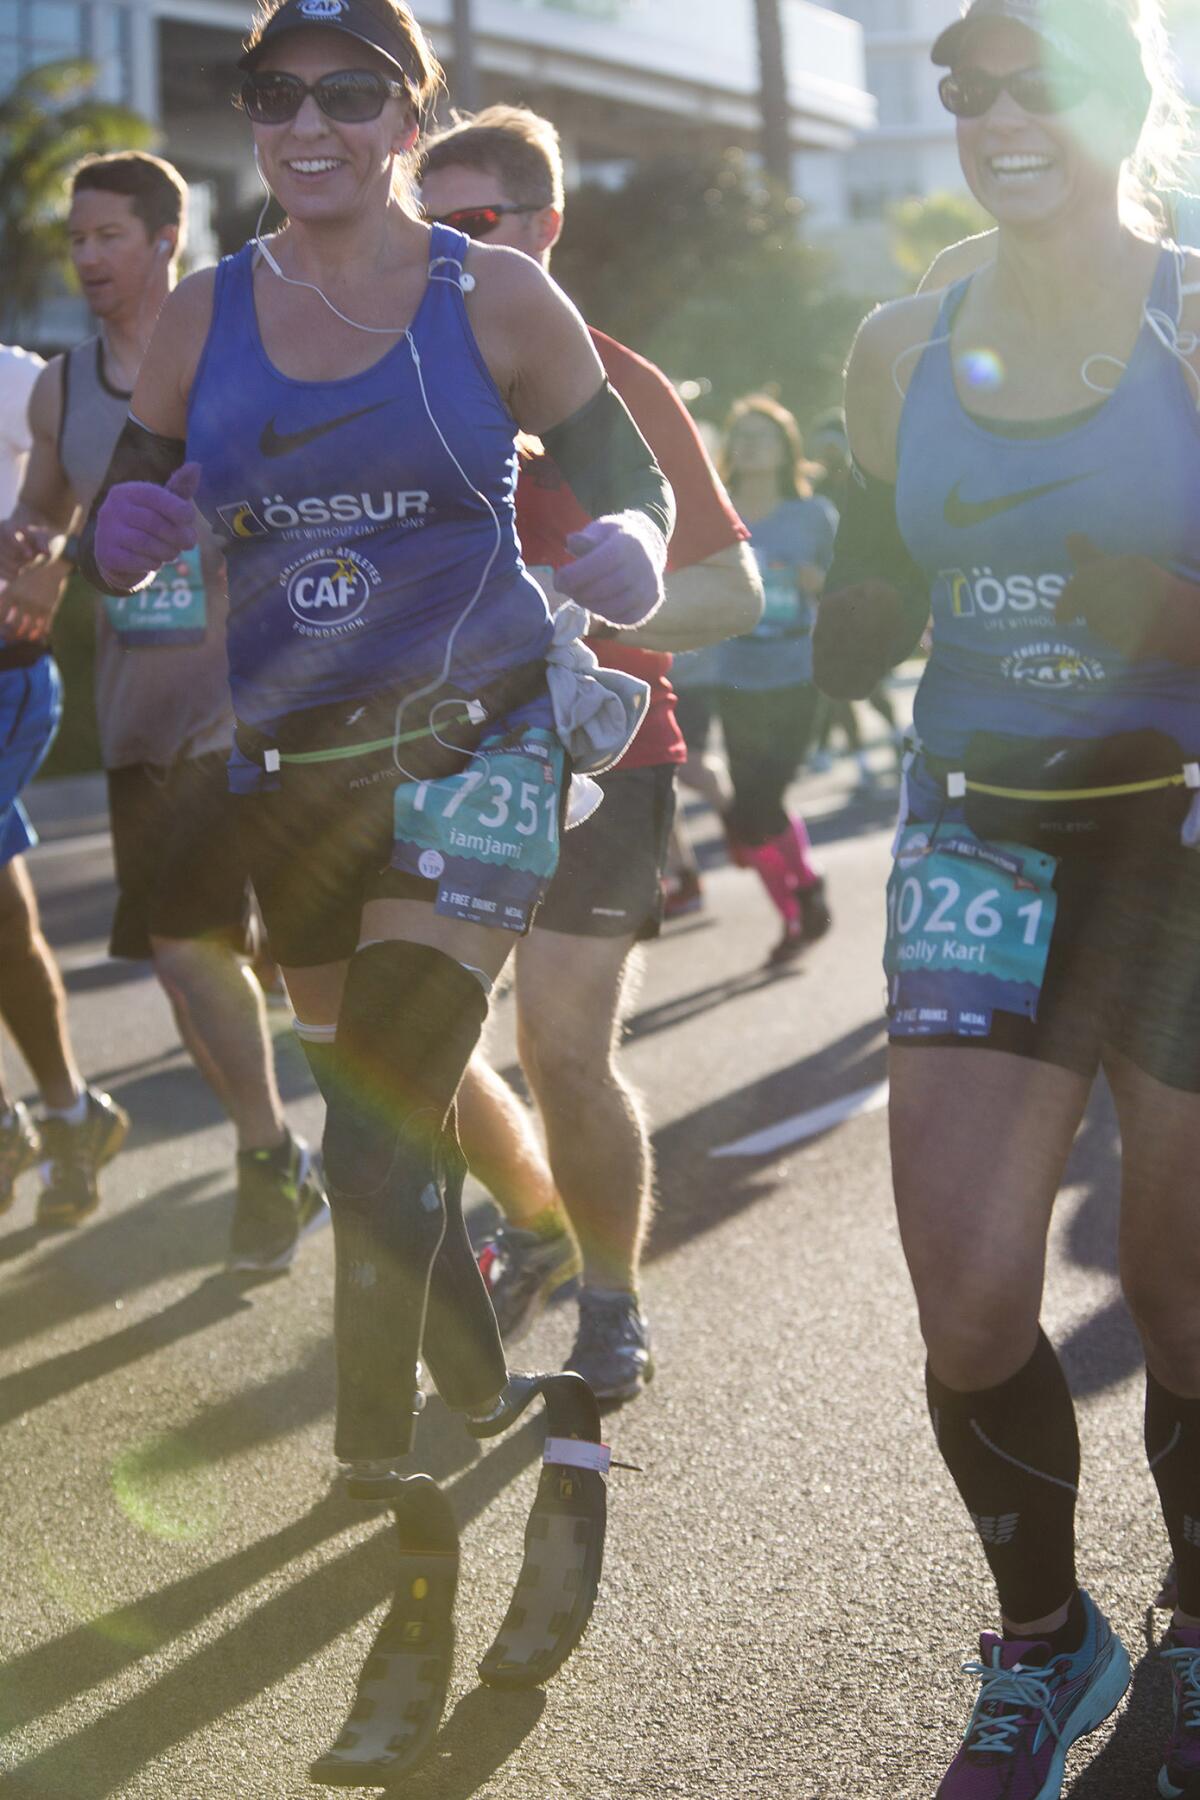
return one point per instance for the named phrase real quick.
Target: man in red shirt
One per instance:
(499, 177)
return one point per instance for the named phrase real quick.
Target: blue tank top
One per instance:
(353, 543)
(986, 517)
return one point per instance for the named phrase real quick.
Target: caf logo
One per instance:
(329, 587)
(322, 9)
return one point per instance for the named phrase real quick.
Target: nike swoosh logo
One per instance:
(282, 443)
(961, 513)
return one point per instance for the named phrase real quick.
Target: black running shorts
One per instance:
(1123, 971)
(609, 877)
(180, 873)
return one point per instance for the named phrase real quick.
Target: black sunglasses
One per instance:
(349, 96)
(476, 221)
(969, 93)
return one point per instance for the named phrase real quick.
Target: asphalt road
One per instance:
(790, 1584)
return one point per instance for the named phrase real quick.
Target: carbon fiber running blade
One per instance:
(564, 1552)
(402, 1689)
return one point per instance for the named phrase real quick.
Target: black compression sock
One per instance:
(1013, 1451)
(1173, 1447)
(1070, 1634)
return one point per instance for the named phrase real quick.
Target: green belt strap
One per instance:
(340, 752)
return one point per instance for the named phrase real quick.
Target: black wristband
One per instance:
(609, 464)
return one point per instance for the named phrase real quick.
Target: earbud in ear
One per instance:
(161, 246)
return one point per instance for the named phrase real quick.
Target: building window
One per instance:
(891, 80)
(40, 31)
(879, 15)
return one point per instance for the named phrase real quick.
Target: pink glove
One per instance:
(618, 574)
(141, 526)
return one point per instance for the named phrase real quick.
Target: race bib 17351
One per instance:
(487, 835)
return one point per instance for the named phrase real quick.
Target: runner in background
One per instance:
(499, 177)
(163, 706)
(765, 695)
(79, 1128)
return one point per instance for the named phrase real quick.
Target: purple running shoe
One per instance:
(1180, 1773)
(1032, 1706)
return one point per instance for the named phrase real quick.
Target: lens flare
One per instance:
(88, 1605)
(981, 370)
(169, 1489)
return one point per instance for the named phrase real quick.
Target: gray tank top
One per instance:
(162, 680)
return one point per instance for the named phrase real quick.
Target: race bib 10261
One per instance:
(969, 925)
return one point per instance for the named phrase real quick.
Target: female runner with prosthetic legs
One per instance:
(1042, 912)
(400, 759)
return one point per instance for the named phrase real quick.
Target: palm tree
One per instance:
(48, 120)
(775, 111)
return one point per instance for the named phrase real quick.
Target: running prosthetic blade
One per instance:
(564, 1538)
(402, 1689)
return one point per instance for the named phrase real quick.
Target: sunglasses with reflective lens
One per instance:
(969, 93)
(477, 221)
(348, 96)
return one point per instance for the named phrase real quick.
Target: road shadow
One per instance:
(288, 1630)
(476, 1741)
(174, 1231)
(1103, 1350)
(1130, 1760)
(705, 1191)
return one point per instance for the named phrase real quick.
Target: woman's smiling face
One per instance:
(316, 167)
(1030, 168)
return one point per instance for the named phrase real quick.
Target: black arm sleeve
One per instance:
(609, 464)
(869, 547)
(140, 455)
(876, 600)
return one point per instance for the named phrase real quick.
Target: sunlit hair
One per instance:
(155, 188)
(520, 148)
(795, 474)
(423, 72)
(1158, 160)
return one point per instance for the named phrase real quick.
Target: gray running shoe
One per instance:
(522, 1270)
(612, 1346)
(20, 1149)
(74, 1156)
(277, 1206)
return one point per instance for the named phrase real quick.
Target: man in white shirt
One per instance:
(80, 1128)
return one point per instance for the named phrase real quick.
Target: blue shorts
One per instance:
(30, 710)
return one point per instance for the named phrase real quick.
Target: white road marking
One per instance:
(72, 846)
(808, 1124)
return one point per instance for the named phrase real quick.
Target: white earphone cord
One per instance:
(443, 677)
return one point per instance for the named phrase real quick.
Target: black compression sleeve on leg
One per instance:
(876, 600)
(140, 455)
(1173, 1449)
(609, 464)
(410, 1018)
(1013, 1451)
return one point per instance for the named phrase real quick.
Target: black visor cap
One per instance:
(348, 19)
(1093, 34)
